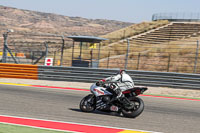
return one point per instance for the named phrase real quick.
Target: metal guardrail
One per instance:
(144, 78)
(18, 71)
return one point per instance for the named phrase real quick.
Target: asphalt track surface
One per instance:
(160, 114)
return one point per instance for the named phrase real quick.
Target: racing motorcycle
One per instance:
(103, 99)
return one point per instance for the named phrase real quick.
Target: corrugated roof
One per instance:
(92, 39)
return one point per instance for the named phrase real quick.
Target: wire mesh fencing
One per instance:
(175, 56)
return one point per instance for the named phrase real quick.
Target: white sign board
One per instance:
(48, 62)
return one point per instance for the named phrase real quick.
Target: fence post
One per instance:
(91, 59)
(32, 57)
(73, 50)
(108, 61)
(127, 52)
(169, 60)
(54, 58)
(196, 57)
(6, 49)
(99, 53)
(46, 51)
(4, 57)
(63, 44)
(138, 62)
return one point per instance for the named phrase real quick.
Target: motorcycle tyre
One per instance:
(137, 112)
(82, 102)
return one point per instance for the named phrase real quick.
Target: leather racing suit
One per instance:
(121, 82)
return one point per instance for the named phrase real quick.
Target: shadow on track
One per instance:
(99, 112)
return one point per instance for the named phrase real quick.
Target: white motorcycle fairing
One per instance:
(99, 91)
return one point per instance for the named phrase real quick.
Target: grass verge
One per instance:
(173, 96)
(7, 128)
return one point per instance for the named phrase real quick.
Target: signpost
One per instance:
(48, 62)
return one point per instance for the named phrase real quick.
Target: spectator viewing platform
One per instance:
(178, 17)
(171, 32)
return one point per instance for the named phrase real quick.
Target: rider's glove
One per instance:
(100, 83)
(112, 86)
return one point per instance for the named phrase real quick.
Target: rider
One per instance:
(120, 82)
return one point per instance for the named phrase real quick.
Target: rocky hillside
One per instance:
(38, 22)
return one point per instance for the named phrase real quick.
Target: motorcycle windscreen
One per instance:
(99, 91)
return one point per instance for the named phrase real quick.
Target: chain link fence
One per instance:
(175, 56)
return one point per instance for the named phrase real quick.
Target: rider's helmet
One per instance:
(121, 71)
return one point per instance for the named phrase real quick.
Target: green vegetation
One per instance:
(6, 128)
(185, 97)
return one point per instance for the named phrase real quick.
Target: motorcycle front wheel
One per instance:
(136, 110)
(87, 104)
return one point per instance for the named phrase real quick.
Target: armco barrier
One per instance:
(18, 71)
(80, 74)
(144, 78)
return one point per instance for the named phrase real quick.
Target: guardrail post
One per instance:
(196, 57)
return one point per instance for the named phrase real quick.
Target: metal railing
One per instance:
(144, 78)
(189, 17)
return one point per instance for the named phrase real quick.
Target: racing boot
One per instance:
(126, 103)
(122, 99)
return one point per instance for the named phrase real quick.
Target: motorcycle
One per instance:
(103, 99)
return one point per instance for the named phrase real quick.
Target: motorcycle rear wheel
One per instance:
(87, 104)
(137, 109)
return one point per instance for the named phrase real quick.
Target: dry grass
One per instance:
(134, 30)
(117, 49)
(174, 56)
